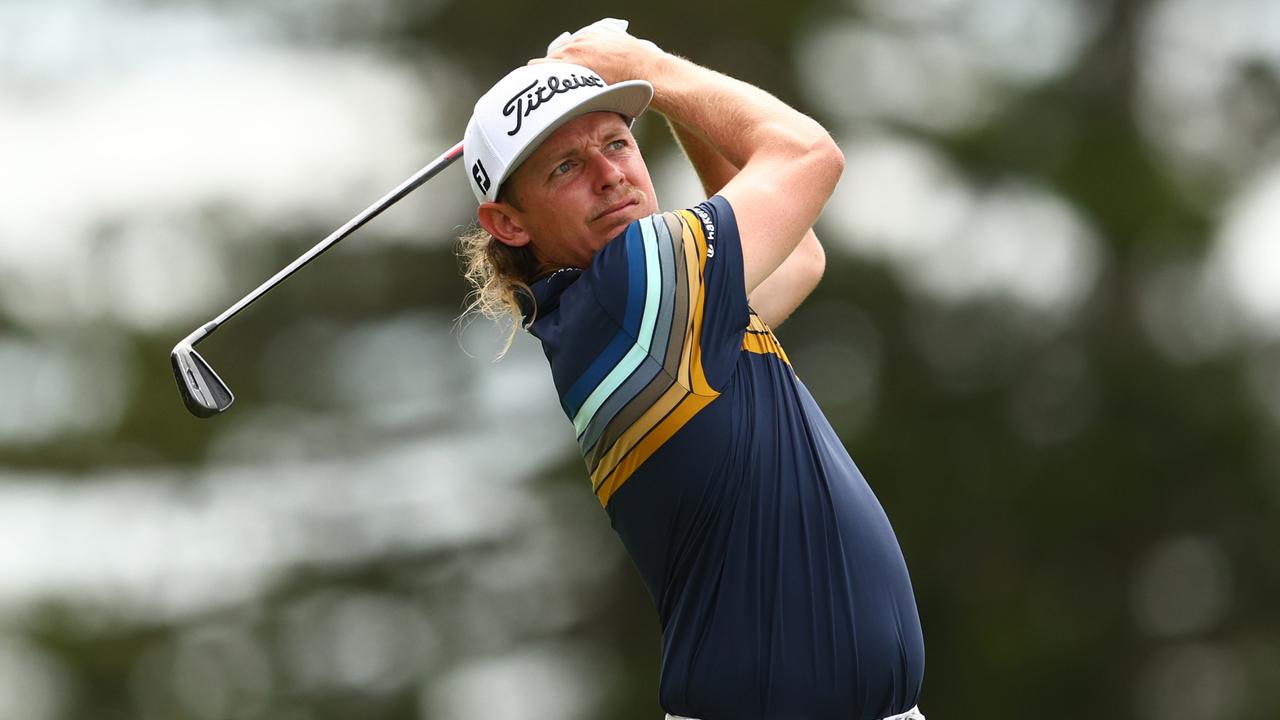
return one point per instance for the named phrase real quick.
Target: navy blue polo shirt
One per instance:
(779, 583)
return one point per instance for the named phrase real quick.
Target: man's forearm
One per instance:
(737, 119)
(733, 118)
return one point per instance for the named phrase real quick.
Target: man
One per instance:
(780, 587)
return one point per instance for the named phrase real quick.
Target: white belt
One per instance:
(912, 714)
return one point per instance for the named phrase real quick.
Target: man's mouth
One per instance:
(615, 208)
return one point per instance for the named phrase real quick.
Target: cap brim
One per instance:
(629, 98)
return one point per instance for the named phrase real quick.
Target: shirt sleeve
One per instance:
(674, 285)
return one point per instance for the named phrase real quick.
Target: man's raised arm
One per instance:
(781, 293)
(789, 163)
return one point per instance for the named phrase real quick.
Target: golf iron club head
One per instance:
(203, 392)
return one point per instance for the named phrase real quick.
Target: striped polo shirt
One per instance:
(779, 583)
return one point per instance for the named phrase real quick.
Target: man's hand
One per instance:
(602, 25)
(615, 55)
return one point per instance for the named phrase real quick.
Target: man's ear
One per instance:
(503, 222)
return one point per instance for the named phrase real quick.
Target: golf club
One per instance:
(203, 392)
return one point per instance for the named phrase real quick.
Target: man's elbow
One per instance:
(831, 153)
(824, 161)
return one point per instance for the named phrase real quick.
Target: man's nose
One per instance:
(605, 171)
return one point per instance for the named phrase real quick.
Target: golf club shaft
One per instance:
(352, 225)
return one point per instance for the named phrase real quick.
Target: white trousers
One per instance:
(912, 714)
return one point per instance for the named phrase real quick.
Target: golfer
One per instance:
(779, 584)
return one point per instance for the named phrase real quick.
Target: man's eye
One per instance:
(617, 144)
(562, 168)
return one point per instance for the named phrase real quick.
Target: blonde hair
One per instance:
(498, 274)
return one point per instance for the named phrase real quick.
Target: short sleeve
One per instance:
(673, 283)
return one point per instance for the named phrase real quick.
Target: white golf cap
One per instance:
(519, 112)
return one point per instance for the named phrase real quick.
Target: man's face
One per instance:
(579, 189)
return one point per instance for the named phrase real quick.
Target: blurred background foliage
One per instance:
(1049, 334)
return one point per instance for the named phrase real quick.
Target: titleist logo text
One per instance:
(532, 96)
